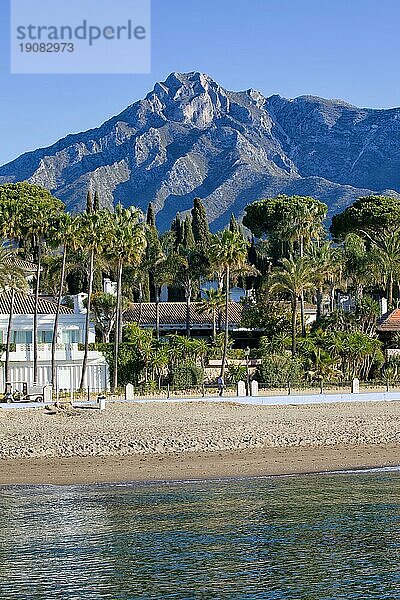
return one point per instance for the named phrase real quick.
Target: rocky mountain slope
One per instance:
(190, 137)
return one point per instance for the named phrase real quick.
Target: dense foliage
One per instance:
(287, 264)
(368, 214)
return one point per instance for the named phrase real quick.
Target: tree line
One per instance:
(283, 252)
(359, 255)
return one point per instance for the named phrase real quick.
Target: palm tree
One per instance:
(189, 267)
(64, 231)
(144, 341)
(293, 279)
(211, 305)
(127, 244)
(36, 228)
(159, 361)
(357, 264)
(200, 350)
(103, 308)
(302, 225)
(162, 264)
(26, 211)
(277, 344)
(13, 279)
(229, 251)
(93, 232)
(322, 257)
(21, 223)
(386, 255)
(182, 348)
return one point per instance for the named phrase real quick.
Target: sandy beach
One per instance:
(168, 441)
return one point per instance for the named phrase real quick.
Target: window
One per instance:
(70, 336)
(21, 337)
(45, 337)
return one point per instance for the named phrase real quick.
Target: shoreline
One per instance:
(195, 466)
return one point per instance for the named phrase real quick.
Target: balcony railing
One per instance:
(44, 350)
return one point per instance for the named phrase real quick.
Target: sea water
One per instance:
(321, 537)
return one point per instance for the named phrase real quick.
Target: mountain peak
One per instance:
(190, 137)
(177, 84)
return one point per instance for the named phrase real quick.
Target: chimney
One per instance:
(78, 303)
(109, 287)
(383, 306)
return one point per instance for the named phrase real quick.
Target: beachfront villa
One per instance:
(173, 319)
(71, 333)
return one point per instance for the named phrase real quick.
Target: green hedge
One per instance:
(130, 363)
(278, 369)
(186, 375)
(233, 353)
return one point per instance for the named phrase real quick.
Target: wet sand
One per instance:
(194, 465)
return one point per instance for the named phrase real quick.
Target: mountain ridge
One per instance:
(191, 137)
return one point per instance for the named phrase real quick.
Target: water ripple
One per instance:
(323, 537)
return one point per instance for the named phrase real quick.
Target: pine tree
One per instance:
(150, 217)
(96, 203)
(89, 202)
(201, 231)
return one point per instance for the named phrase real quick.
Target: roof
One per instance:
(24, 304)
(174, 313)
(24, 265)
(308, 307)
(389, 321)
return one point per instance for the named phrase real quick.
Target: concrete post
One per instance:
(47, 393)
(254, 388)
(355, 386)
(129, 392)
(241, 388)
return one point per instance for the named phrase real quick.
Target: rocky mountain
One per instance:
(190, 137)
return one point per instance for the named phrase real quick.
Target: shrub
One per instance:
(278, 369)
(237, 373)
(215, 353)
(186, 375)
(130, 363)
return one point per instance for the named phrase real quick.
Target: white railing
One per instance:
(44, 350)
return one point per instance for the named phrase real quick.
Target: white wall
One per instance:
(97, 376)
(68, 356)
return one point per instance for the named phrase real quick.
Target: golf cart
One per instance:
(20, 392)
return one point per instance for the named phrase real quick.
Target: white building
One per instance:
(71, 333)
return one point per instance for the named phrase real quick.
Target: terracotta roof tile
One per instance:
(24, 305)
(25, 265)
(390, 321)
(174, 313)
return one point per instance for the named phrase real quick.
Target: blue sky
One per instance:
(332, 48)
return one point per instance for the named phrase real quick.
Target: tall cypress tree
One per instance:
(233, 224)
(150, 217)
(96, 203)
(188, 241)
(89, 202)
(177, 226)
(201, 230)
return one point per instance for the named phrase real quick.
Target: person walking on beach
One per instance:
(221, 385)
